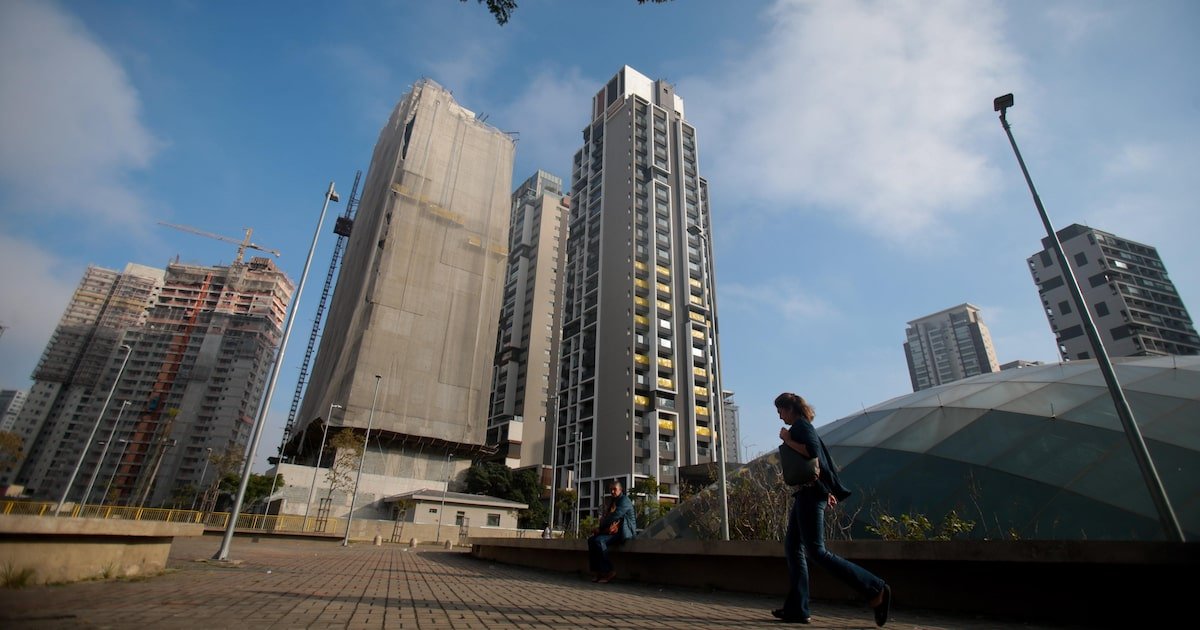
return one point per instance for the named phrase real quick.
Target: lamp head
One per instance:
(695, 230)
(1003, 102)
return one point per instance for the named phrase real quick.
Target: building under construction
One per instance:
(201, 340)
(416, 304)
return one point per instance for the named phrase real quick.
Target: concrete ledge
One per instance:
(1093, 583)
(59, 550)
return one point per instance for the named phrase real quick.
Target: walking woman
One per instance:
(805, 537)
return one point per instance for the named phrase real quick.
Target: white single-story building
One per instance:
(437, 507)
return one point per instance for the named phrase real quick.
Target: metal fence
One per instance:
(217, 520)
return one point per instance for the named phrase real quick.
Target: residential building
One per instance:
(948, 346)
(201, 340)
(731, 418)
(1134, 304)
(639, 369)
(11, 401)
(76, 372)
(526, 364)
(410, 338)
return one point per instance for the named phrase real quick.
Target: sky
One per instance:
(859, 177)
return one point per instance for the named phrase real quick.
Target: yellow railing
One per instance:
(261, 522)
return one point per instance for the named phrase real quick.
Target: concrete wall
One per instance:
(1077, 582)
(71, 549)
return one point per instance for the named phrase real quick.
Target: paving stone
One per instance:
(284, 583)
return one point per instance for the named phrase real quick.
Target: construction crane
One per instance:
(242, 244)
(342, 228)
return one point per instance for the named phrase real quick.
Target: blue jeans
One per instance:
(598, 545)
(806, 539)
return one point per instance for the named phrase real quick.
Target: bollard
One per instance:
(449, 544)
(378, 540)
(412, 543)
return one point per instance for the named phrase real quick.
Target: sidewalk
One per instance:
(318, 584)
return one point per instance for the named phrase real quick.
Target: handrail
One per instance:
(260, 522)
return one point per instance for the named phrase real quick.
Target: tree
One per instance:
(646, 503)
(502, 9)
(257, 489)
(497, 480)
(347, 453)
(11, 446)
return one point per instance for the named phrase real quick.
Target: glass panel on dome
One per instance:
(876, 432)
(1177, 427)
(1170, 382)
(999, 394)
(1097, 412)
(947, 395)
(1071, 517)
(1058, 452)
(991, 434)
(1177, 467)
(838, 430)
(939, 424)
(845, 455)
(1116, 479)
(1054, 400)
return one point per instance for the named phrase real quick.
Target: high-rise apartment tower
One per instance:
(417, 301)
(639, 381)
(1135, 306)
(201, 340)
(526, 375)
(947, 346)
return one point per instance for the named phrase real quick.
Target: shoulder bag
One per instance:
(797, 469)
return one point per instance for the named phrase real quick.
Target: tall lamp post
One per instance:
(203, 471)
(95, 427)
(553, 461)
(116, 467)
(362, 460)
(714, 385)
(442, 510)
(104, 452)
(1166, 515)
(320, 451)
(256, 432)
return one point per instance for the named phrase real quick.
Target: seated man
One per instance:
(616, 526)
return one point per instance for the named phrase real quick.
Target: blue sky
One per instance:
(858, 174)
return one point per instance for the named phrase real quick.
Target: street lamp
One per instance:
(362, 460)
(553, 462)
(116, 467)
(1166, 515)
(256, 432)
(714, 385)
(95, 427)
(104, 452)
(442, 510)
(575, 471)
(317, 468)
(203, 471)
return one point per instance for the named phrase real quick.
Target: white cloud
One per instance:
(34, 296)
(71, 129)
(1074, 21)
(865, 108)
(549, 116)
(1134, 159)
(783, 298)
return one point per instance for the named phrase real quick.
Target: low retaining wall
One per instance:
(58, 550)
(1077, 582)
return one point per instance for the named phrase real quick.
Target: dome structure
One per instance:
(1034, 453)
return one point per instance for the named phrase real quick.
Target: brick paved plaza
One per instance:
(281, 583)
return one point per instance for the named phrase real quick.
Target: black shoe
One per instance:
(778, 614)
(881, 611)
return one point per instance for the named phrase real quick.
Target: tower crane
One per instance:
(242, 244)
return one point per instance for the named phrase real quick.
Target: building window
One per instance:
(1080, 259)
(1064, 307)
(493, 520)
(1101, 309)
